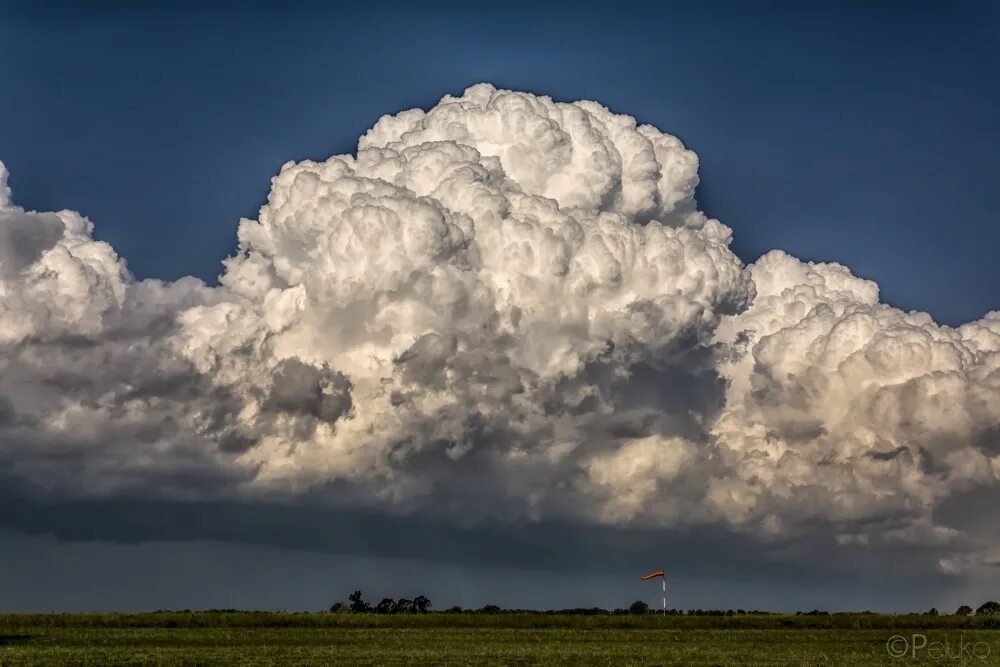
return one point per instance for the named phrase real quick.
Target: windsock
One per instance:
(652, 575)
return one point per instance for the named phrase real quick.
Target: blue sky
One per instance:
(865, 133)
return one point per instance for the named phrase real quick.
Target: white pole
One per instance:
(664, 595)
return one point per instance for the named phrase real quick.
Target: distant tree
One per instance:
(964, 610)
(337, 606)
(454, 610)
(988, 609)
(638, 607)
(357, 604)
(490, 609)
(386, 606)
(932, 611)
(403, 606)
(422, 603)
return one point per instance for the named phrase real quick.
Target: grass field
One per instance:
(491, 639)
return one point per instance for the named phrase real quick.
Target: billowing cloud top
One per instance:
(507, 307)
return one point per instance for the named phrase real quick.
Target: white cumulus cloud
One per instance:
(504, 306)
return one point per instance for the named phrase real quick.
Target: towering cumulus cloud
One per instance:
(502, 307)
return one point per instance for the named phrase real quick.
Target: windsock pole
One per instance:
(663, 577)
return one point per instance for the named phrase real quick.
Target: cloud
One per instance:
(848, 409)
(504, 307)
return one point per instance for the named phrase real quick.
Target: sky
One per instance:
(849, 132)
(859, 133)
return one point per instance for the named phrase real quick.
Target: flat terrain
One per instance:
(490, 639)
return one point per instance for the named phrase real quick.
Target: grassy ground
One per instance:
(480, 639)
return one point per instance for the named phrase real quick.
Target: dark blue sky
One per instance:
(866, 133)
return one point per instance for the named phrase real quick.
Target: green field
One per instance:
(210, 638)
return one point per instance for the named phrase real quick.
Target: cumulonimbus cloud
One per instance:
(504, 306)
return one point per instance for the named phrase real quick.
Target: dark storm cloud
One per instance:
(709, 552)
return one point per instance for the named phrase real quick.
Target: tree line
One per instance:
(422, 604)
(356, 603)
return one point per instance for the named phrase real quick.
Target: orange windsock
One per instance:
(652, 575)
